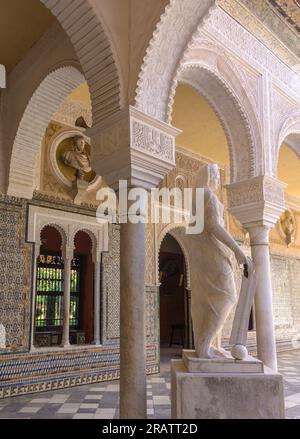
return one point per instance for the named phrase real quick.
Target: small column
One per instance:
(68, 254)
(97, 292)
(265, 335)
(36, 252)
(258, 203)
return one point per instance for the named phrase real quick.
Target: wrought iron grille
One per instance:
(49, 292)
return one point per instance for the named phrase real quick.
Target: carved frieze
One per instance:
(260, 199)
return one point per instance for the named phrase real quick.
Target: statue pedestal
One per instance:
(79, 190)
(225, 388)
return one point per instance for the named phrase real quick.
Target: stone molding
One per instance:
(67, 224)
(229, 33)
(208, 81)
(259, 200)
(257, 17)
(173, 33)
(69, 111)
(39, 111)
(94, 50)
(133, 146)
(257, 70)
(174, 230)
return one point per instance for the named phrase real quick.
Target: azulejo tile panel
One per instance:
(15, 262)
(37, 372)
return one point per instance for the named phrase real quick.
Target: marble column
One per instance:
(67, 256)
(142, 154)
(36, 252)
(133, 388)
(265, 335)
(258, 203)
(97, 292)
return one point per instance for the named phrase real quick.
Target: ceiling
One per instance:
(281, 17)
(289, 10)
(22, 23)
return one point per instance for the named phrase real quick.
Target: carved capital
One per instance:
(68, 252)
(133, 146)
(257, 201)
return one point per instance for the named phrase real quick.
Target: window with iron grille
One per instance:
(49, 292)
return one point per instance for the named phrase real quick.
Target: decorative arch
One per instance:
(95, 52)
(225, 85)
(172, 229)
(173, 56)
(290, 134)
(166, 48)
(90, 234)
(39, 110)
(230, 114)
(60, 229)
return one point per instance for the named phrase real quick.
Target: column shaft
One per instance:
(36, 252)
(265, 334)
(96, 302)
(132, 321)
(66, 303)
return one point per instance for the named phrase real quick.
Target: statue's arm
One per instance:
(222, 235)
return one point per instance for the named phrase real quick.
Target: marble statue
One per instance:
(212, 278)
(78, 158)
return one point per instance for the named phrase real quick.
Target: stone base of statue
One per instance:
(225, 388)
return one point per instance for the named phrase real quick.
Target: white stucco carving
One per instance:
(173, 33)
(69, 111)
(255, 73)
(134, 146)
(94, 52)
(257, 200)
(68, 224)
(42, 105)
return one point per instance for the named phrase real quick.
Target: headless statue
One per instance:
(212, 274)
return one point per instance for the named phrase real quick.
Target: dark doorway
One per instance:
(173, 295)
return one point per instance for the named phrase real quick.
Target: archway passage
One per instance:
(174, 307)
(81, 309)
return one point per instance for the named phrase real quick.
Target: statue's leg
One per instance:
(208, 331)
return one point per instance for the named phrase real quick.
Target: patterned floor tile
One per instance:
(102, 401)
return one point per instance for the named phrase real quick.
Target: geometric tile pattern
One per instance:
(15, 262)
(52, 370)
(101, 401)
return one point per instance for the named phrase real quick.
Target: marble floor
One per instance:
(100, 401)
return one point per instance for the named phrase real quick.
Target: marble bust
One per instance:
(212, 275)
(78, 158)
(288, 226)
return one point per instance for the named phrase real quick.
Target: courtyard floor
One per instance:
(100, 401)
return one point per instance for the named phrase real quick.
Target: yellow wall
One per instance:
(81, 94)
(289, 170)
(202, 131)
